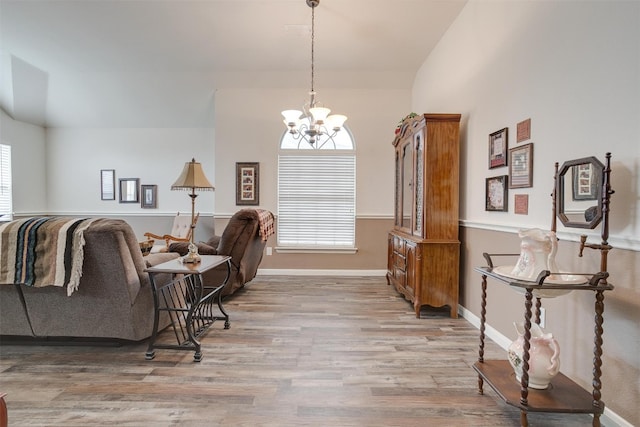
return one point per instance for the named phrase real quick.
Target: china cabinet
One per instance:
(423, 247)
(562, 395)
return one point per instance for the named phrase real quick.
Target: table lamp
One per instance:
(191, 179)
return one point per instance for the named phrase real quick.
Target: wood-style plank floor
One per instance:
(301, 351)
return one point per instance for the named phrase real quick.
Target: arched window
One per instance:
(317, 192)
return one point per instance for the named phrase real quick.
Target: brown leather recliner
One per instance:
(242, 241)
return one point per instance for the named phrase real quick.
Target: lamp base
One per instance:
(192, 257)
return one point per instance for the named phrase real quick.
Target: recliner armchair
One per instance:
(243, 239)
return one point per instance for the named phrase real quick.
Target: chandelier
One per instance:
(313, 124)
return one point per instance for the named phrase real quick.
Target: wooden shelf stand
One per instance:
(563, 395)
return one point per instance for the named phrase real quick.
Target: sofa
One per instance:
(243, 239)
(113, 298)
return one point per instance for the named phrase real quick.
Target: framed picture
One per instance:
(247, 183)
(585, 181)
(496, 194)
(108, 184)
(521, 166)
(149, 194)
(523, 130)
(129, 190)
(521, 204)
(498, 144)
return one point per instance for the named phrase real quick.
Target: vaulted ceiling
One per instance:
(155, 63)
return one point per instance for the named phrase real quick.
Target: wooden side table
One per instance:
(187, 301)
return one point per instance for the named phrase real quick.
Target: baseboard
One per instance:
(302, 272)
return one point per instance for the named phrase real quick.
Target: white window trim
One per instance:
(6, 189)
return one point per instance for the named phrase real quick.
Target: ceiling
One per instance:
(158, 63)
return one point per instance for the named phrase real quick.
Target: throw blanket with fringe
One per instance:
(43, 252)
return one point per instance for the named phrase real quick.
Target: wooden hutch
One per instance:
(423, 247)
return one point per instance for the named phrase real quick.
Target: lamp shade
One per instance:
(335, 121)
(192, 178)
(319, 113)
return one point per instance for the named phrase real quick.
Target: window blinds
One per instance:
(316, 201)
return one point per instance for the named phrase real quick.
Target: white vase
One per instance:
(544, 356)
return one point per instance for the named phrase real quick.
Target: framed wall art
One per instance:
(248, 183)
(108, 184)
(496, 193)
(523, 130)
(521, 166)
(521, 204)
(498, 144)
(129, 190)
(149, 196)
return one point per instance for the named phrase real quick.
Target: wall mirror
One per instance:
(579, 189)
(129, 190)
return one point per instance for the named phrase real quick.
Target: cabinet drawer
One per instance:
(399, 245)
(400, 262)
(400, 276)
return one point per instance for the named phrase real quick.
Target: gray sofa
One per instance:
(113, 300)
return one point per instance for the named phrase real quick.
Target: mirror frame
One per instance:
(560, 188)
(123, 184)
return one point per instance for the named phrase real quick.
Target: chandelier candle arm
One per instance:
(313, 124)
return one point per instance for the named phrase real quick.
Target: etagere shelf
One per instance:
(563, 394)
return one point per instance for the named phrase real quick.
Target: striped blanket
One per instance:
(43, 252)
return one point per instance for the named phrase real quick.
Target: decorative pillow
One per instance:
(146, 246)
(183, 248)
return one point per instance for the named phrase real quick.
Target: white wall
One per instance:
(29, 165)
(572, 67)
(75, 157)
(249, 127)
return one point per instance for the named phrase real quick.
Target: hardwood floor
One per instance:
(301, 351)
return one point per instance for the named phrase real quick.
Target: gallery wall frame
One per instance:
(521, 204)
(149, 196)
(497, 193)
(107, 184)
(521, 166)
(523, 130)
(498, 145)
(247, 183)
(129, 190)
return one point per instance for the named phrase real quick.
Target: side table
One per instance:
(187, 301)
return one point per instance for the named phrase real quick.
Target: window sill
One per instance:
(314, 250)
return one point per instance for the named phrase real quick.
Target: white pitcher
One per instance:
(537, 252)
(544, 356)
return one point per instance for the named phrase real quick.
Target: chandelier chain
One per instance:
(313, 33)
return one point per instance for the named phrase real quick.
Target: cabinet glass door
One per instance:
(407, 184)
